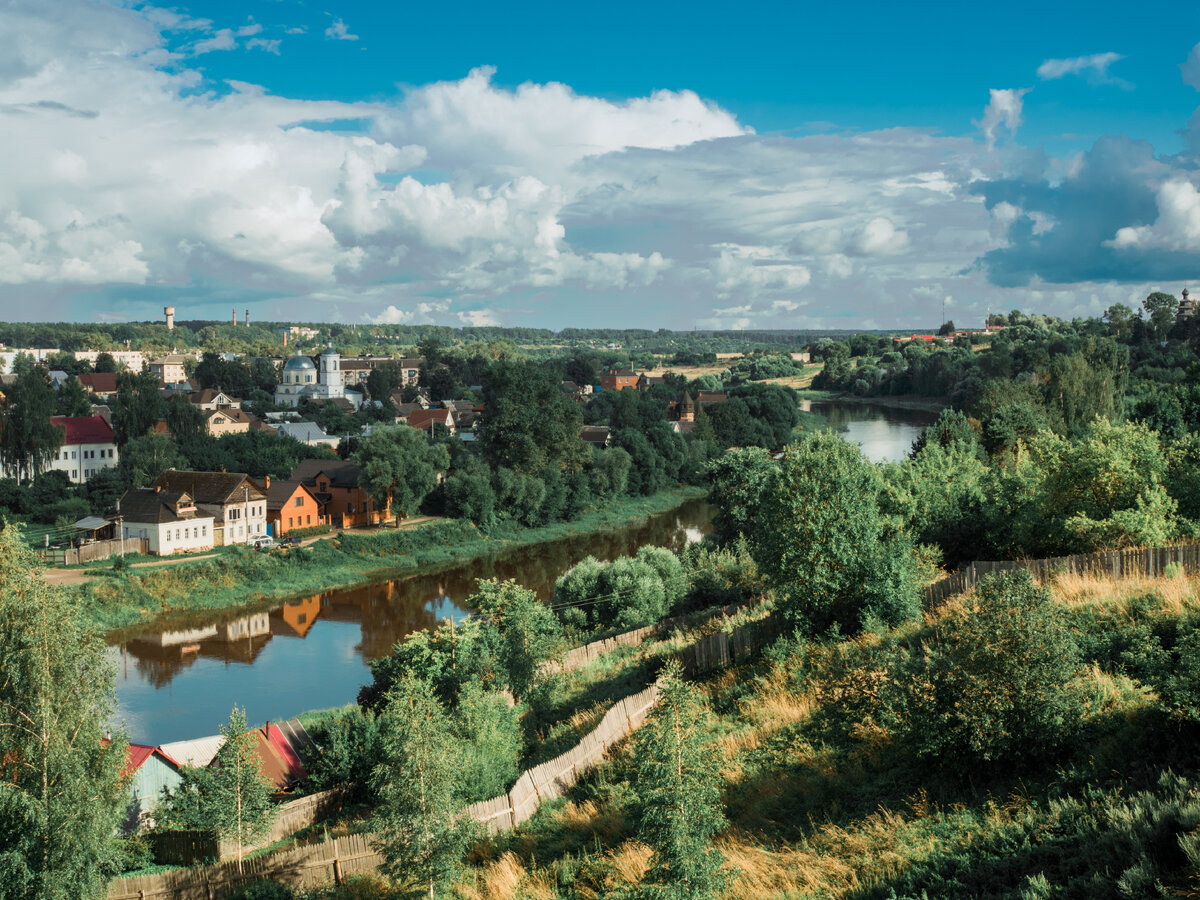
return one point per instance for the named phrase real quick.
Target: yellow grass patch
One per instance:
(506, 879)
(1177, 593)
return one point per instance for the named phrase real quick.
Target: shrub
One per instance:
(350, 750)
(993, 683)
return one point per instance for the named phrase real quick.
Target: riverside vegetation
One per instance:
(1022, 741)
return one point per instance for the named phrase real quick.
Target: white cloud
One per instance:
(1178, 223)
(1093, 67)
(881, 237)
(1003, 111)
(221, 40)
(339, 31)
(421, 313)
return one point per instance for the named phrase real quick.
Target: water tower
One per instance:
(169, 312)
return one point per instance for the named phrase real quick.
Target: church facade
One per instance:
(320, 381)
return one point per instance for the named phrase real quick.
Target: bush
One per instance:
(993, 683)
(350, 750)
(263, 890)
(626, 593)
(720, 577)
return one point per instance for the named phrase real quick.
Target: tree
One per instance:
(28, 439)
(399, 468)
(62, 796)
(821, 541)
(679, 785)
(73, 399)
(137, 406)
(528, 631)
(1119, 318)
(145, 458)
(240, 803)
(184, 421)
(1161, 308)
(947, 327)
(422, 832)
(529, 424)
(993, 680)
(738, 479)
(105, 363)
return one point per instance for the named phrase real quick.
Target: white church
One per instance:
(318, 381)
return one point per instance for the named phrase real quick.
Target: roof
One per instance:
(423, 418)
(621, 373)
(99, 382)
(208, 395)
(171, 359)
(304, 431)
(280, 492)
(299, 361)
(711, 397)
(91, 523)
(595, 434)
(158, 507)
(198, 752)
(342, 472)
(84, 429)
(280, 764)
(404, 410)
(210, 487)
(231, 413)
(136, 757)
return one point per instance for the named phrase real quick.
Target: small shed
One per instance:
(94, 528)
(149, 770)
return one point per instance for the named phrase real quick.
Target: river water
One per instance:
(312, 652)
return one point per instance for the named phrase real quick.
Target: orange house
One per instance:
(291, 506)
(334, 483)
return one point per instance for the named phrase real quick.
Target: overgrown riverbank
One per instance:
(244, 580)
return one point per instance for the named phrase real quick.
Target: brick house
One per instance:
(334, 483)
(618, 380)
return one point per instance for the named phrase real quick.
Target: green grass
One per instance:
(242, 579)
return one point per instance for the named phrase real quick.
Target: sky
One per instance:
(770, 165)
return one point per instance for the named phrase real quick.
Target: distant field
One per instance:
(802, 381)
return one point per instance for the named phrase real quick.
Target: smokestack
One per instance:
(285, 334)
(247, 318)
(235, 317)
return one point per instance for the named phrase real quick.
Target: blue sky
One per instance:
(634, 165)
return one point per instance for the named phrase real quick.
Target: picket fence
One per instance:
(186, 847)
(334, 860)
(313, 865)
(1145, 561)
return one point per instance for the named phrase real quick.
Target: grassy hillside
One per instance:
(834, 786)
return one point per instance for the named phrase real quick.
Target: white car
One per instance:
(263, 543)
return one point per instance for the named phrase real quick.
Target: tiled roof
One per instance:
(423, 418)
(84, 429)
(280, 492)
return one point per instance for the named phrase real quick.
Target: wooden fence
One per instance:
(1145, 561)
(92, 551)
(329, 862)
(186, 847)
(333, 860)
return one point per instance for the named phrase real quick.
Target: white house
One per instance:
(237, 505)
(88, 446)
(168, 520)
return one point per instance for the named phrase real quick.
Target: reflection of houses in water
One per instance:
(296, 617)
(162, 656)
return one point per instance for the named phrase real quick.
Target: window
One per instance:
(204, 530)
(299, 501)
(74, 474)
(310, 519)
(168, 534)
(289, 521)
(187, 533)
(176, 534)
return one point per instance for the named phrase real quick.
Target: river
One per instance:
(312, 652)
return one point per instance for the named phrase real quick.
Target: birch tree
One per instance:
(61, 792)
(421, 824)
(240, 806)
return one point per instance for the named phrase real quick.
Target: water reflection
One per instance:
(311, 652)
(885, 433)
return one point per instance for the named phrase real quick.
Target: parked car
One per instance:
(264, 543)
(290, 542)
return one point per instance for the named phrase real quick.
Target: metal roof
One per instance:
(91, 523)
(198, 752)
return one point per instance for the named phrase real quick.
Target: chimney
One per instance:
(247, 318)
(235, 317)
(285, 334)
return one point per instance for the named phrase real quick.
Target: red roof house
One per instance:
(84, 429)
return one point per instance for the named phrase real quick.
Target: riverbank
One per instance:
(243, 580)
(903, 401)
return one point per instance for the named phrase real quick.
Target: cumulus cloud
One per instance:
(1094, 68)
(339, 31)
(1004, 110)
(1177, 226)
